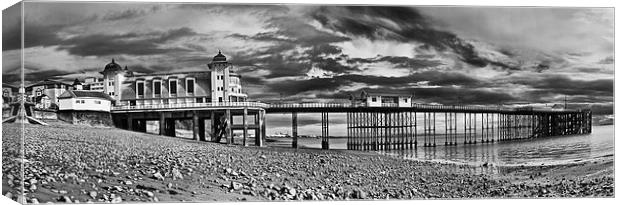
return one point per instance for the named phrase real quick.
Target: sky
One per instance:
(310, 53)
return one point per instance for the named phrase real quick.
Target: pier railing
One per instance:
(466, 108)
(364, 105)
(191, 105)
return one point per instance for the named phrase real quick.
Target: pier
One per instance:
(219, 116)
(368, 127)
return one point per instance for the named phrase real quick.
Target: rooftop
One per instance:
(386, 93)
(112, 67)
(84, 93)
(47, 82)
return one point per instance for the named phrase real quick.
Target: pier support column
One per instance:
(263, 127)
(245, 126)
(170, 129)
(260, 133)
(195, 125)
(294, 128)
(129, 122)
(162, 124)
(227, 123)
(142, 126)
(201, 130)
(214, 127)
(324, 130)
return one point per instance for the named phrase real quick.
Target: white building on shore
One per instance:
(83, 100)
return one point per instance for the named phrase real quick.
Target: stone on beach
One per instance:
(132, 165)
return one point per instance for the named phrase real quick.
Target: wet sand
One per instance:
(67, 163)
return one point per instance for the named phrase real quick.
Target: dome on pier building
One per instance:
(219, 57)
(112, 67)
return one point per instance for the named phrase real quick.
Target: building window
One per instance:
(374, 99)
(199, 100)
(173, 87)
(190, 85)
(156, 87)
(220, 99)
(405, 100)
(97, 102)
(140, 88)
(39, 92)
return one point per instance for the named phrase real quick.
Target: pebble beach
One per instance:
(79, 164)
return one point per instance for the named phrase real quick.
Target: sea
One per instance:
(529, 152)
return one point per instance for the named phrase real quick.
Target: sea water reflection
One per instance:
(546, 151)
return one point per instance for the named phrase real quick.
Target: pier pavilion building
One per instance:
(210, 98)
(217, 83)
(385, 99)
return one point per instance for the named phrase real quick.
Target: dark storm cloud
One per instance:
(330, 64)
(277, 64)
(452, 96)
(39, 75)
(290, 33)
(34, 35)
(292, 87)
(399, 61)
(127, 43)
(301, 32)
(324, 49)
(405, 24)
(38, 33)
(129, 13)
(559, 84)
(434, 78)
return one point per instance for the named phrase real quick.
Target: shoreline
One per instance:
(69, 163)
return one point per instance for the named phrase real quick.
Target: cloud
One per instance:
(437, 53)
(335, 84)
(129, 13)
(127, 43)
(399, 61)
(402, 24)
(549, 29)
(560, 84)
(607, 60)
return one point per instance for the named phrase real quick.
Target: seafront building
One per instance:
(217, 83)
(9, 92)
(84, 100)
(385, 99)
(45, 93)
(93, 83)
